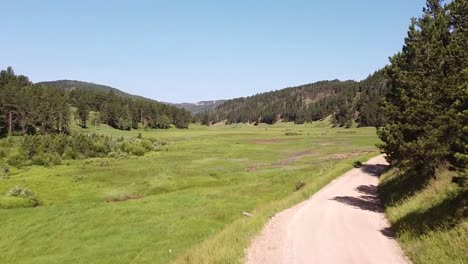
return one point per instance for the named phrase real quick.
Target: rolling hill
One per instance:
(347, 101)
(73, 84)
(201, 106)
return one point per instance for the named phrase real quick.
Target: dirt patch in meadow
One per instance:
(340, 156)
(252, 168)
(325, 143)
(295, 157)
(266, 141)
(271, 140)
(124, 198)
(283, 162)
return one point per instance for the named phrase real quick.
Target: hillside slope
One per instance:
(347, 101)
(27, 108)
(199, 107)
(73, 84)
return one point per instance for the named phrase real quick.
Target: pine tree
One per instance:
(422, 120)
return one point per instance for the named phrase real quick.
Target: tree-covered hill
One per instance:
(346, 101)
(73, 84)
(28, 108)
(201, 106)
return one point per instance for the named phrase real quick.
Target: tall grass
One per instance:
(429, 217)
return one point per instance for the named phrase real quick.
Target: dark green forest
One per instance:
(345, 101)
(425, 113)
(73, 84)
(29, 108)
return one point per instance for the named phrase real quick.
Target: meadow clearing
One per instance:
(183, 203)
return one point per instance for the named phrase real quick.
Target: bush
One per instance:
(54, 159)
(19, 197)
(40, 160)
(17, 158)
(21, 192)
(357, 164)
(293, 133)
(50, 149)
(69, 153)
(11, 202)
(299, 185)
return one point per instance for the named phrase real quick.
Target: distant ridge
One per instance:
(73, 84)
(199, 107)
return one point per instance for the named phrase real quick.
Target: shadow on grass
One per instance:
(446, 214)
(400, 187)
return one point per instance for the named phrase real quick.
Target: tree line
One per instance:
(28, 108)
(426, 109)
(345, 101)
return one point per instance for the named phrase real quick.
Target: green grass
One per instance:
(182, 204)
(429, 218)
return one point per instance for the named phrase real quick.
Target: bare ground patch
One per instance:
(124, 198)
(266, 141)
(325, 143)
(283, 162)
(295, 157)
(340, 156)
(270, 140)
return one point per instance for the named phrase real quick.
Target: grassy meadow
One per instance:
(183, 203)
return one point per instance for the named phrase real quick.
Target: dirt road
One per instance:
(342, 223)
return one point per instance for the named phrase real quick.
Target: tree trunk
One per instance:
(10, 123)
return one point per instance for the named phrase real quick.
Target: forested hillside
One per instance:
(73, 84)
(346, 101)
(200, 107)
(28, 108)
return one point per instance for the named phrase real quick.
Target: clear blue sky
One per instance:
(195, 50)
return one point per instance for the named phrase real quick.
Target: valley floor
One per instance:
(183, 203)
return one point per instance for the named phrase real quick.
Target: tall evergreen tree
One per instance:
(427, 81)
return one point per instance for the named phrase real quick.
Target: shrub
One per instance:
(146, 144)
(357, 164)
(137, 150)
(17, 158)
(70, 153)
(40, 160)
(11, 202)
(50, 149)
(293, 133)
(21, 192)
(54, 159)
(299, 185)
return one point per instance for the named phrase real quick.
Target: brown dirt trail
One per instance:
(342, 223)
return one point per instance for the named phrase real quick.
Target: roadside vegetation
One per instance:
(425, 136)
(429, 219)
